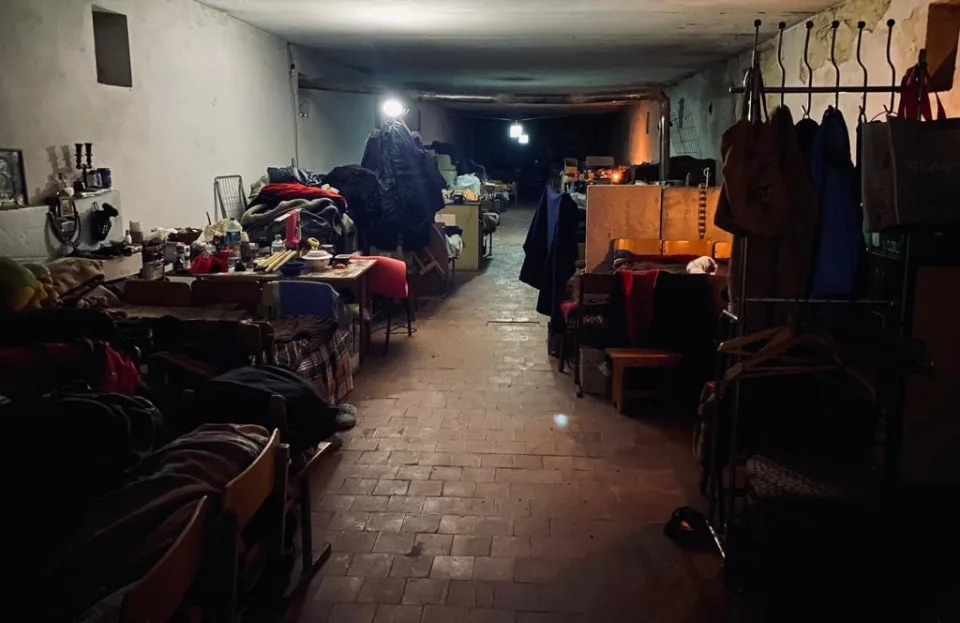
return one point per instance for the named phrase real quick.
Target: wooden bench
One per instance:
(624, 359)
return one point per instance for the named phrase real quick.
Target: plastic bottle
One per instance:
(277, 245)
(231, 241)
(232, 233)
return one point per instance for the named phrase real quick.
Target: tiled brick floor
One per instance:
(476, 487)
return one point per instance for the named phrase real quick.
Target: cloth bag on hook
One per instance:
(910, 169)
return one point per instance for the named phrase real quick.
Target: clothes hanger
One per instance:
(860, 386)
(756, 103)
(833, 61)
(893, 69)
(774, 359)
(783, 73)
(775, 351)
(735, 346)
(806, 62)
(863, 104)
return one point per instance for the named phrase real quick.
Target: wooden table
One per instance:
(353, 277)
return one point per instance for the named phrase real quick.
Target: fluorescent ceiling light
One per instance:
(393, 108)
(524, 139)
(516, 130)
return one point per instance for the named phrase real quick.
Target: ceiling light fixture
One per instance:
(393, 108)
(524, 139)
(516, 130)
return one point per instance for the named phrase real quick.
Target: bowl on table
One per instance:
(293, 268)
(317, 260)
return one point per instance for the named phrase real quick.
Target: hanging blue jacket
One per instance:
(840, 231)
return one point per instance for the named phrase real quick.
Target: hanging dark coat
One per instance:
(411, 192)
(364, 196)
(550, 252)
(841, 220)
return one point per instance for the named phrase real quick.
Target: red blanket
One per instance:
(275, 193)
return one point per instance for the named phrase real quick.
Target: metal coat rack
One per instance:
(722, 497)
(837, 88)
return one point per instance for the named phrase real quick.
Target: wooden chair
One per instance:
(594, 297)
(159, 293)
(688, 247)
(639, 246)
(624, 359)
(261, 486)
(722, 250)
(158, 596)
(246, 293)
(301, 469)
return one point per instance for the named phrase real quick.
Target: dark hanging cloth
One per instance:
(840, 220)
(364, 196)
(806, 131)
(550, 252)
(431, 168)
(411, 191)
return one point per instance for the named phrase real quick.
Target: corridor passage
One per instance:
(477, 487)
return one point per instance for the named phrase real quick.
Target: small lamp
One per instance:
(524, 139)
(516, 130)
(393, 109)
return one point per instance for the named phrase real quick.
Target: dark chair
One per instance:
(593, 300)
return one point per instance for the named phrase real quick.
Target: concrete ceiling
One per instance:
(522, 46)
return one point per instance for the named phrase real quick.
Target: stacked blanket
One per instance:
(322, 215)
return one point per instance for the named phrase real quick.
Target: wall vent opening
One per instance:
(112, 48)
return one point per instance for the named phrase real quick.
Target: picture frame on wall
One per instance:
(13, 182)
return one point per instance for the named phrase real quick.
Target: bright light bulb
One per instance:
(524, 139)
(393, 108)
(516, 130)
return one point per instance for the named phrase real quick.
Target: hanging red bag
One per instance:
(910, 97)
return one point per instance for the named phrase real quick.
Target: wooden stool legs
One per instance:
(623, 359)
(617, 391)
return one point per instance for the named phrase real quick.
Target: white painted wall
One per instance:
(435, 123)
(713, 109)
(336, 129)
(211, 96)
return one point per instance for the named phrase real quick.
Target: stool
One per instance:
(624, 359)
